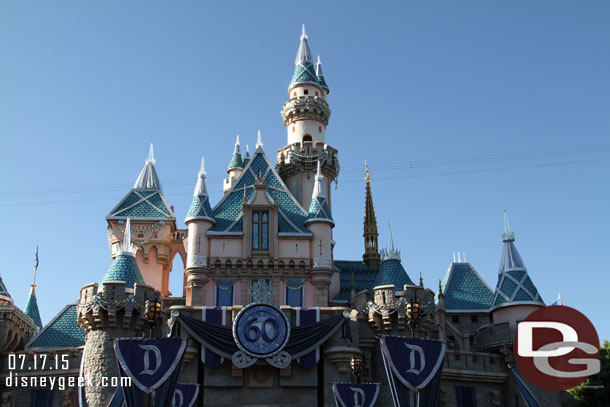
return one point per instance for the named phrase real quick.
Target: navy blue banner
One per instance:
(216, 316)
(185, 395)
(149, 362)
(356, 394)
(413, 361)
(413, 365)
(306, 317)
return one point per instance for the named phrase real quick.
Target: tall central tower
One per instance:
(306, 115)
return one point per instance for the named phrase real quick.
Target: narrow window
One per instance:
(306, 91)
(224, 292)
(293, 129)
(294, 292)
(320, 129)
(317, 93)
(294, 94)
(260, 230)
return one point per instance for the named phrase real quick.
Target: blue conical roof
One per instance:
(320, 75)
(236, 161)
(318, 209)
(145, 200)
(514, 285)
(304, 70)
(200, 206)
(124, 268)
(31, 309)
(391, 271)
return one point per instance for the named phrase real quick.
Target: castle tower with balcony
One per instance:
(122, 307)
(306, 115)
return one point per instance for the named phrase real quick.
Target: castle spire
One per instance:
(148, 178)
(390, 252)
(259, 141)
(31, 306)
(371, 248)
(318, 209)
(514, 284)
(320, 75)
(236, 161)
(124, 267)
(304, 71)
(200, 206)
(247, 156)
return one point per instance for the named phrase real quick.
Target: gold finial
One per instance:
(367, 174)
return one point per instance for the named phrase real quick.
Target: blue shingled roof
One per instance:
(61, 332)
(364, 277)
(31, 310)
(124, 268)
(142, 203)
(391, 271)
(318, 210)
(304, 72)
(465, 290)
(236, 161)
(228, 212)
(200, 208)
(514, 285)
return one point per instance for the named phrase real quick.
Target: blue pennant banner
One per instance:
(356, 394)
(149, 362)
(216, 316)
(413, 365)
(305, 317)
(185, 395)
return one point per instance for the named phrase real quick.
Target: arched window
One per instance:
(307, 137)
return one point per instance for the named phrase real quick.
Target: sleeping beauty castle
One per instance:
(268, 316)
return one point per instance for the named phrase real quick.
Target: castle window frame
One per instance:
(260, 230)
(224, 292)
(294, 292)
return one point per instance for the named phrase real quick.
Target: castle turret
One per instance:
(305, 116)
(371, 247)
(235, 168)
(515, 296)
(31, 306)
(247, 156)
(199, 220)
(153, 227)
(391, 271)
(320, 223)
(122, 307)
(16, 328)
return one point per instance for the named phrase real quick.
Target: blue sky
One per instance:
(462, 109)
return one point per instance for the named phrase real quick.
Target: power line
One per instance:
(393, 166)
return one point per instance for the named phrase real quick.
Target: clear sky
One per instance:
(462, 109)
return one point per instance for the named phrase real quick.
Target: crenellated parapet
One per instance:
(298, 158)
(16, 328)
(114, 306)
(397, 311)
(305, 108)
(106, 313)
